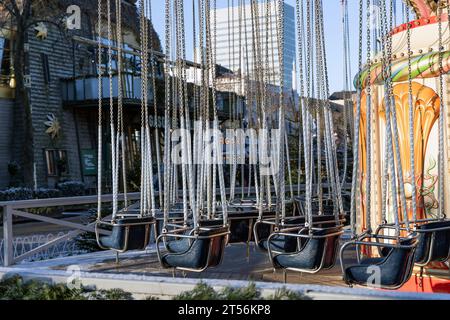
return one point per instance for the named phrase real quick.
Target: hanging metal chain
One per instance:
(100, 112)
(357, 125)
(398, 165)
(281, 203)
(441, 167)
(386, 34)
(167, 123)
(149, 53)
(368, 189)
(155, 103)
(306, 115)
(331, 154)
(111, 115)
(300, 35)
(319, 108)
(412, 106)
(120, 125)
(347, 75)
(143, 207)
(391, 124)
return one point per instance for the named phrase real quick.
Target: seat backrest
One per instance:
(433, 245)
(323, 250)
(217, 251)
(138, 232)
(216, 243)
(211, 223)
(135, 220)
(332, 248)
(323, 221)
(397, 266)
(315, 251)
(240, 230)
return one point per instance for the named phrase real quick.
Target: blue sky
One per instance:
(333, 29)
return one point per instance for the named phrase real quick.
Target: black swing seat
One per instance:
(178, 245)
(279, 244)
(129, 233)
(388, 272)
(327, 205)
(289, 244)
(317, 252)
(174, 245)
(434, 242)
(242, 221)
(204, 249)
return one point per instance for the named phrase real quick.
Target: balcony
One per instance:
(84, 91)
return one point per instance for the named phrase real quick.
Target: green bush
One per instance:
(285, 294)
(65, 189)
(15, 288)
(113, 294)
(71, 188)
(204, 292)
(201, 292)
(44, 193)
(15, 194)
(247, 293)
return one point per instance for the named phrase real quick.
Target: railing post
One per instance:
(8, 249)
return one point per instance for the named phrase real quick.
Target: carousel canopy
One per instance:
(424, 8)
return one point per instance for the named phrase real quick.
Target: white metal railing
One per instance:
(15, 249)
(22, 245)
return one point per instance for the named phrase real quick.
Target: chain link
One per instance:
(441, 166)
(411, 103)
(100, 111)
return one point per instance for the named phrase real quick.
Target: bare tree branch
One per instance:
(10, 9)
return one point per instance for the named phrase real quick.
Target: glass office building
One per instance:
(247, 34)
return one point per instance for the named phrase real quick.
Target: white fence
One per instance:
(14, 249)
(22, 245)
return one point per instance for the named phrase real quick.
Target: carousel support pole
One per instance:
(377, 158)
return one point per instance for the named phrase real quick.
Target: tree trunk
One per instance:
(23, 106)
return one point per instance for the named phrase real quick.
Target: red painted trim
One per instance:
(418, 23)
(426, 284)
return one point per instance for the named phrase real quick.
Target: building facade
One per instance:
(61, 82)
(247, 39)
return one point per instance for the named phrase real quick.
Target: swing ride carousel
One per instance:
(393, 234)
(403, 138)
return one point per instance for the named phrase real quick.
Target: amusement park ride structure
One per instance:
(400, 151)
(410, 77)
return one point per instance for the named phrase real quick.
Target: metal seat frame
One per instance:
(360, 242)
(419, 231)
(193, 236)
(127, 227)
(289, 232)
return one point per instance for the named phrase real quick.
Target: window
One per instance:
(5, 61)
(56, 161)
(45, 68)
(130, 61)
